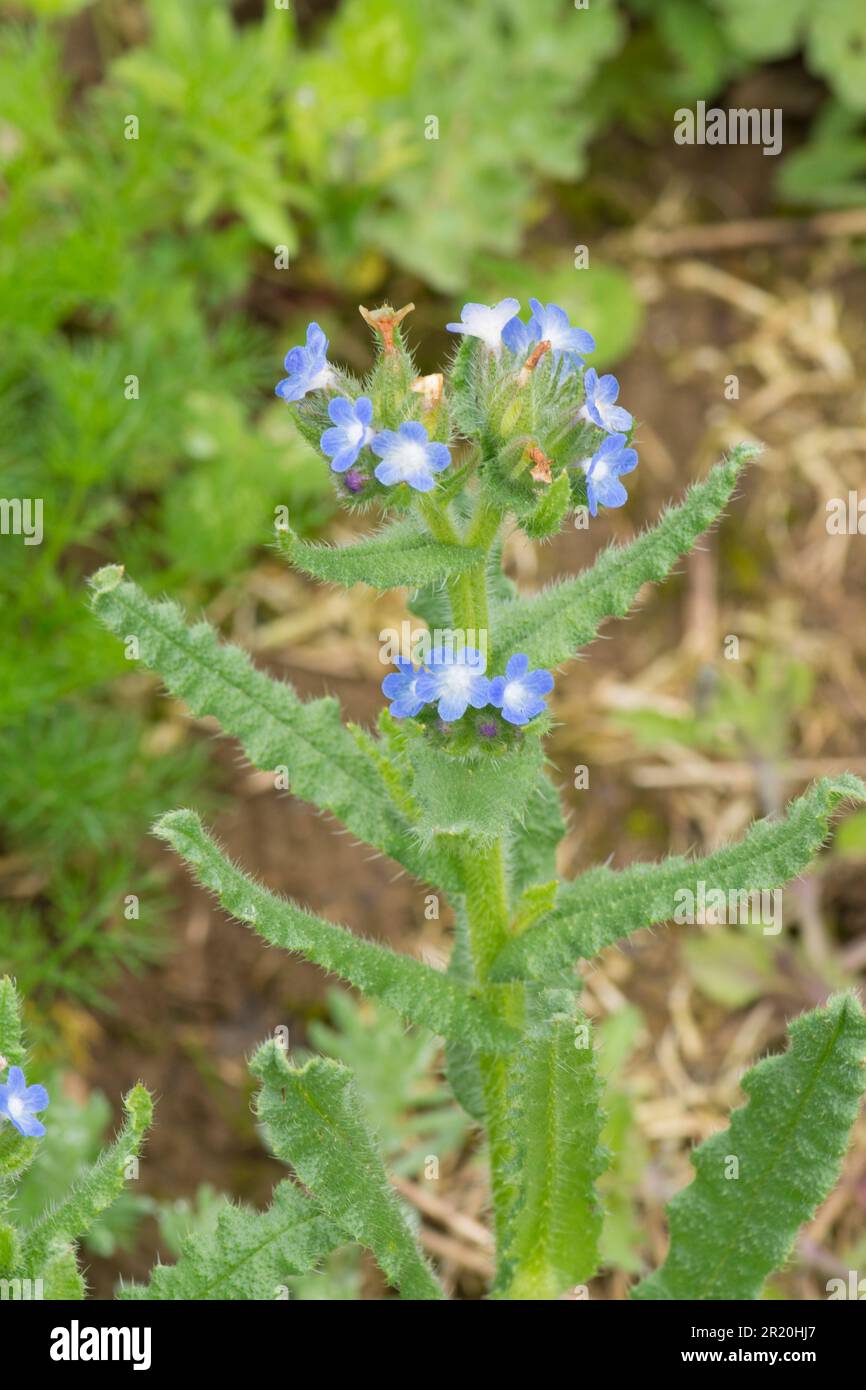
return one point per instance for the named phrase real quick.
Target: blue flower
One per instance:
(603, 472)
(20, 1103)
(519, 337)
(601, 392)
(520, 692)
(308, 367)
(402, 688)
(351, 431)
(567, 344)
(408, 457)
(486, 322)
(456, 680)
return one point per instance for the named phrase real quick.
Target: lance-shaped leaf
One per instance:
(11, 1031)
(417, 991)
(400, 555)
(480, 797)
(758, 1181)
(315, 1121)
(532, 841)
(248, 1255)
(92, 1193)
(277, 729)
(556, 1122)
(551, 627)
(603, 905)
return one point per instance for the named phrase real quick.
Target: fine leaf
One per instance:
(92, 1193)
(417, 991)
(556, 1121)
(314, 1120)
(551, 627)
(604, 905)
(400, 555)
(758, 1181)
(11, 1032)
(249, 1255)
(480, 798)
(532, 842)
(276, 728)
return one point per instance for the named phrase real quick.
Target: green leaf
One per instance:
(556, 1122)
(92, 1193)
(551, 627)
(415, 990)
(326, 766)
(400, 555)
(248, 1255)
(314, 1120)
(728, 1233)
(548, 514)
(11, 1031)
(604, 905)
(532, 842)
(62, 1281)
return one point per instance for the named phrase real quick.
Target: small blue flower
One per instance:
(486, 322)
(20, 1103)
(401, 687)
(567, 345)
(408, 457)
(351, 431)
(519, 337)
(308, 367)
(599, 408)
(456, 680)
(520, 692)
(603, 472)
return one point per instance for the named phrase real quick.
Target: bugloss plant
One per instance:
(453, 787)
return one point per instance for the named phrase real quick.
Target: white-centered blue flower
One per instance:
(351, 431)
(308, 367)
(408, 456)
(401, 687)
(603, 470)
(568, 345)
(520, 692)
(599, 407)
(486, 321)
(20, 1103)
(456, 680)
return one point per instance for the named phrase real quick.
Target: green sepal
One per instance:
(546, 516)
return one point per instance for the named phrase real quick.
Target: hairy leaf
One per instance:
(758, 1181)
(400, 555)
(249, 1254)
(480, 798)
(325, 764)
(556, 1122)
(564, 617)
(415, 990)
(314, 1119)
(532, 842)
(604, 905)
(11, 1033)
(94, 1191)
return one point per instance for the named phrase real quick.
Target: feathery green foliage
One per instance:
(313, 1120)
(758, 1181)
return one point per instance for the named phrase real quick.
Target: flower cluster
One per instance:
(408, 455)
(456, 681)
(21, 1103)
